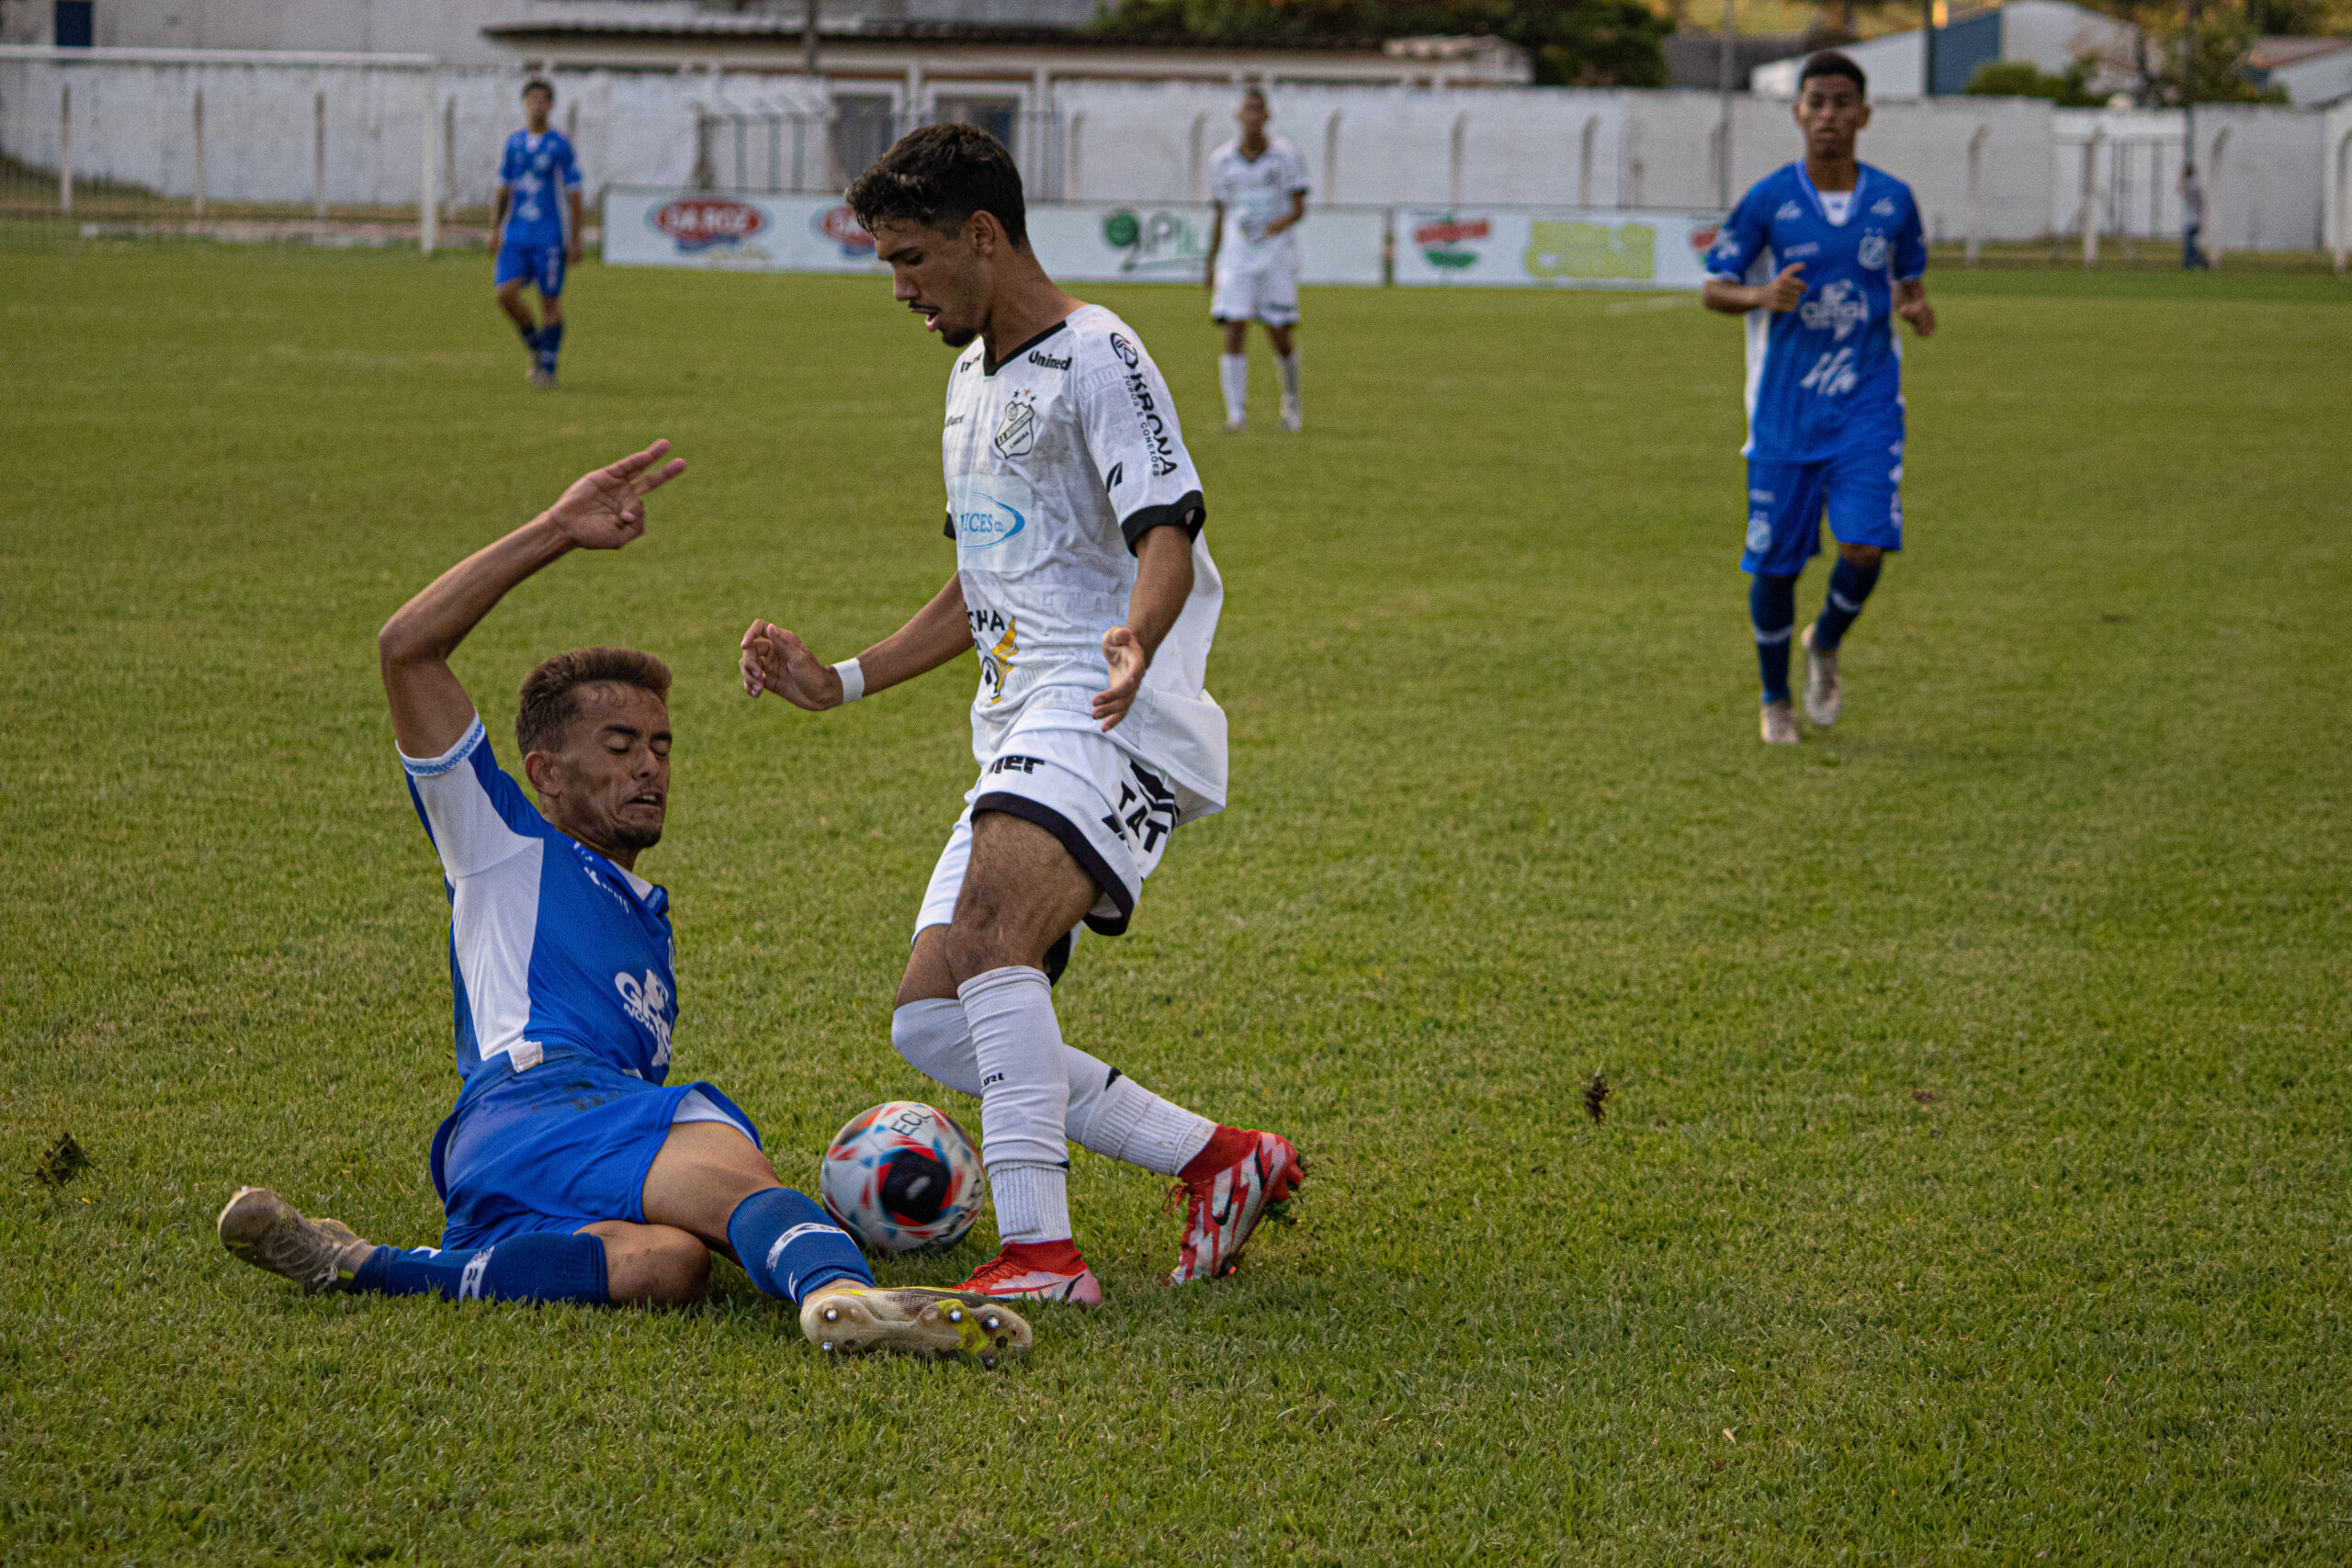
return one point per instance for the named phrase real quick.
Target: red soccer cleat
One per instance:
(1237, 1180)
(1037, 1271)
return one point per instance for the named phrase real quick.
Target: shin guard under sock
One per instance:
(789, 1245)
(1850, 589)
(542, 1267)
(1773, 607)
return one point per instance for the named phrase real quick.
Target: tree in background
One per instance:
(2024, 79)
(2224, 33)
(1581, 43)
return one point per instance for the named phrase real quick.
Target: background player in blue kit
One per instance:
(568, 1170)
(537, 224)
(1821, 257)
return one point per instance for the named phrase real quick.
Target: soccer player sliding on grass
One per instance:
(568, 1170)
(1821, 257)
(1082, 580)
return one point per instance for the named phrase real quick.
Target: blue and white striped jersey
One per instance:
(553, 949)
(1833, 364)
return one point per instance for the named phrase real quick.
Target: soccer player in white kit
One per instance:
(1082, 580)
(1259, 184)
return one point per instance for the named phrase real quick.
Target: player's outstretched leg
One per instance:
(265, 1230)
(713, 1181)
(1232, 1178)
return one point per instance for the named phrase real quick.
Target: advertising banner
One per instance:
(1169, 242)
(740, 233)
(1095, 243)
(1593, 248)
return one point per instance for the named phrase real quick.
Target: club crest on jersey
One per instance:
(1016, 433)
(1871, 251)
(1837, 309)
(648, 1001)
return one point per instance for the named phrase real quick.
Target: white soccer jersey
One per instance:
(1254, 192)
(1058, 460)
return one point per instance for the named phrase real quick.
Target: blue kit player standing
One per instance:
(537, 223)
(568, 1169)
(1821, 257)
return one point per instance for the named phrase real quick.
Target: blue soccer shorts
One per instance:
(541, 265)
(565, 1144)
(1860, 488)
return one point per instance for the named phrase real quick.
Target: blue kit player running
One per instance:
(537, 223)
(1821, 257)
(570, 1170)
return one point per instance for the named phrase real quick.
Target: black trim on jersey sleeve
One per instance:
(1187, 514)
(947, 525)
(1081, 849)
(990, 366)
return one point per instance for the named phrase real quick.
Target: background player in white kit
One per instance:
(1082, 580)
(1258, 184)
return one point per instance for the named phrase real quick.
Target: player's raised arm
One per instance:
(602, 510)
(775, 659)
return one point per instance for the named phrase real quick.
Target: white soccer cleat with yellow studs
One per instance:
(941, 1325)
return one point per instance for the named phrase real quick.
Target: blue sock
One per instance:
(790, 1247)
(1849, 588)
(1773, 607)
(550, 344)
(530, 336)
(543, 1268)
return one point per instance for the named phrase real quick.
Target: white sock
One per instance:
(1024, 1096)
(1108, 1113)
(1127, 1122)
(1286, 366)
(1032, 1202)
(1233, 375)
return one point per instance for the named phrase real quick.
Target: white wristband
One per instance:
(853, 680)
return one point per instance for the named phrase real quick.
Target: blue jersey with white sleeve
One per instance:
(1829, 372)
(554, 951)
(538, 171)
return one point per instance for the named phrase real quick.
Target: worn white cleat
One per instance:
(1293, 421)
(1236, 426)
(941, 1326)
(267, 1232)
(1824, 694)
(1780, 723)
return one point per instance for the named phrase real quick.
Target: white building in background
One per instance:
(2047, 34)
(2314, 71)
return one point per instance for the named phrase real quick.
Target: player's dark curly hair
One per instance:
(551, 692)
(1829, 62)
(938, 176)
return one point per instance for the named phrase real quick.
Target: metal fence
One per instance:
(780, 152)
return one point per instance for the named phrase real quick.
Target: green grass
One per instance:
(1975, 1187)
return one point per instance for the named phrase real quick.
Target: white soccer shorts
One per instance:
(1111, 812)
(1268, 295)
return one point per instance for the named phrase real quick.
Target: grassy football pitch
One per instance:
(1973, 1186)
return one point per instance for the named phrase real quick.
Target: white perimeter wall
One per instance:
(2273, 175)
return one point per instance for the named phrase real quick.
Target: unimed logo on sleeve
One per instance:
(698, 222)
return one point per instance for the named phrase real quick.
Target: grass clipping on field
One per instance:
(62, 1162)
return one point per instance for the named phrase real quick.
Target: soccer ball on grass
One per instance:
(902, 1177)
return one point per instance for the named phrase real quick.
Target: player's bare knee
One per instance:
(657, 1266)
(1864, 555)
